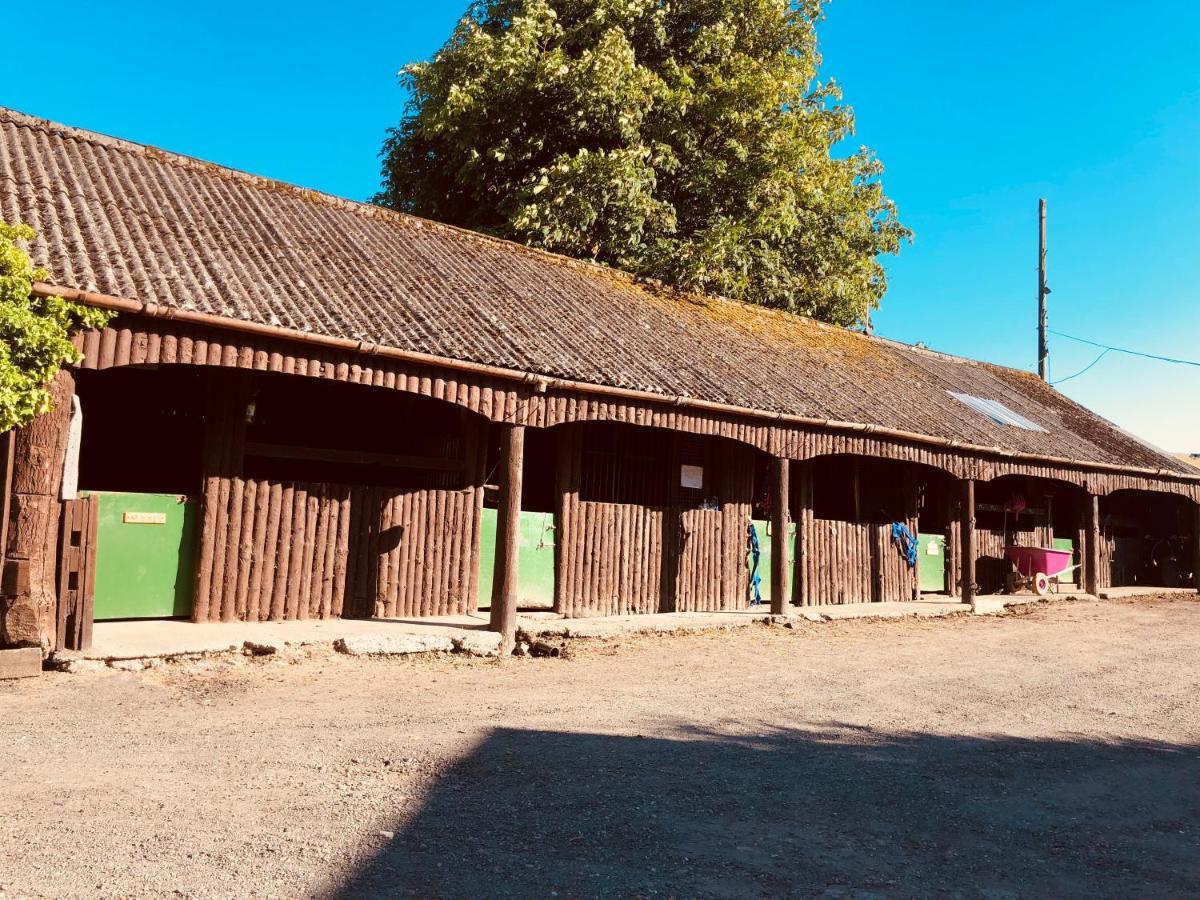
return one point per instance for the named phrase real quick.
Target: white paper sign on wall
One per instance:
(691, 477)
(933, 549)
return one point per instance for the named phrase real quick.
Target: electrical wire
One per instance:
(1103, 353)
(1106, 348)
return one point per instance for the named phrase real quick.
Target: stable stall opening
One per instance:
(140, 474)
(379, 495)
(1023, 511)
(250, 496)
(143, 429)
(651, 520)
(879, 531)
(1146, 540)
(333, 433)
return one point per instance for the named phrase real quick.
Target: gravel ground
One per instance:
(1054, 752)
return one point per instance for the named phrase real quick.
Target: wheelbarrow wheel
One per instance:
(1041, 584)
(1012, 582)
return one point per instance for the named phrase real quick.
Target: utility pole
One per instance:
(1043, 350)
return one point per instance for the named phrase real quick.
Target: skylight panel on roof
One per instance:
(997, 412)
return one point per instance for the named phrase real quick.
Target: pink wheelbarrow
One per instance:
(1037, 568)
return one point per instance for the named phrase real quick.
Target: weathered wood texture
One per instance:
(414, 552)
(1091, 545)
(276, 558)
(291, 550)
(29, 614)
(615, 558)
(953, 532)
(966, 534)
(77, 574)
(804, 563)
(780, 545)
(855, 562)
(709, 563)
(138, 340)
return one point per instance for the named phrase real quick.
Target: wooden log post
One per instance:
(1091, 544)
(508, 514)
(804, 536)
(966, 565)
(29, 603)
(779, 535)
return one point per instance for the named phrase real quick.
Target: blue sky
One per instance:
(976, 109)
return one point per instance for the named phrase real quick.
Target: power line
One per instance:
(1103, 353)
(1107, 348)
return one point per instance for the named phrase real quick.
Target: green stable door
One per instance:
(931, 563)
(535, 560)
(145, 555)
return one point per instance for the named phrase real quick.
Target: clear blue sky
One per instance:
(977, 109)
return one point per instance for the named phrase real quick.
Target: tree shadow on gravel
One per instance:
(835, 811)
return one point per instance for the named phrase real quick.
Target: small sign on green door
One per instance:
(145, 555)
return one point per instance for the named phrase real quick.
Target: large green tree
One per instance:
(683, 140)
(35, 332)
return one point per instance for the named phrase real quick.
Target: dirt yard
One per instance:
(1053, 753)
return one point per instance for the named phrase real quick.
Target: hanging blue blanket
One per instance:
(906, 542)
(755, 556)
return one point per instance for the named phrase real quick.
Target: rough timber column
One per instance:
(1091, 544)
(967, 537)
(803, 534)
(29, 605)
(779, 535)
(508, 513)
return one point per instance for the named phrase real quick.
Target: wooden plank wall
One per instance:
(415, 552)
(855, 562)
(1108, 551)
(281, 551)
(712, 573)
(611, 560)
(614, 558)
(292, 550)
(954, 556)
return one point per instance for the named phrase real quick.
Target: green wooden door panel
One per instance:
(764, 561)
(1071, 577)
(145, 555)
(487, 557)
(931, 563)
(535, 560)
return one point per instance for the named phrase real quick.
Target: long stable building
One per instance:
(309, 407)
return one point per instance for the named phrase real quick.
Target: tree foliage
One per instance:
(684, 141)
(34, 332)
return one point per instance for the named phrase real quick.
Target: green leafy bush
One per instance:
(34, 332)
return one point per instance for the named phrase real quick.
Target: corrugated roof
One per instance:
(139, 223)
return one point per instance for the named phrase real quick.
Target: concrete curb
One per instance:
(473, 643)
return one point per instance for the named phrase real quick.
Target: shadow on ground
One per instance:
(837, 812)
